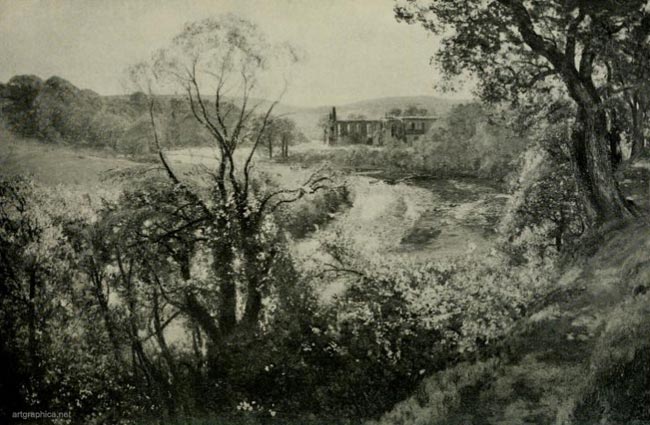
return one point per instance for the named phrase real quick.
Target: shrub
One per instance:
(398, 321)
(307, 215)
(545, 211)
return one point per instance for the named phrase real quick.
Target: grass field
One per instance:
(52, 165)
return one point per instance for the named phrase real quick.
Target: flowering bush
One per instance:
(397, 321)
(545, 211)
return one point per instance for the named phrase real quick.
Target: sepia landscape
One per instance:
(381, 212)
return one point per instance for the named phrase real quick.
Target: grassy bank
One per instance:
(579, 358)
(52, 165)
(399, 163)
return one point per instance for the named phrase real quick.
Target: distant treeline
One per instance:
(56, 111)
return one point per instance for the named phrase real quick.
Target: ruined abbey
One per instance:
(376, 132)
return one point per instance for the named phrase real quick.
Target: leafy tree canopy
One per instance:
(512, 46)
(515, 47)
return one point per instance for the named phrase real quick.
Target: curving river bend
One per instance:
(428, 218)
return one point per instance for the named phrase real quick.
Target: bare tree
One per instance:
(230, 59)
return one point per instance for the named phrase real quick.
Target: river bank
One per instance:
(396, 213)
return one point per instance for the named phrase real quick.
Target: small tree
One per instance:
(278, 129)
(288, 135)
(415, 111)
(395, 112)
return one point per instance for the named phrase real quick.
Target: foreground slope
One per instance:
(581, 358)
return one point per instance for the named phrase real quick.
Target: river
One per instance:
(422, 219)
(426, 217)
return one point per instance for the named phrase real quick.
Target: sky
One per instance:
(355, 49)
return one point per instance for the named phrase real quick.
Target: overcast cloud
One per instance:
(356, 49)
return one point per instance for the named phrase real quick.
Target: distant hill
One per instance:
(307, 118)
(55, 110)
(375, 108)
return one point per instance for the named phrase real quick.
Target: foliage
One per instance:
(473, 141)
(63, 112)
(442, 393)
(545, 210)
(279, 131)
(46, 325)
(307, 215)
(128, 343)
(58, 112)
(19, 95)
(513, 47)
(470, 144)
(577, 358)
(398, 321)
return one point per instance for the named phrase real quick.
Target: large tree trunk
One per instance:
(253, 304)
(614, 137)
(171, 385)
(602, 197)
(102, 301)
(254, 270)
(223, 264)
(202, 317)
(638, 140)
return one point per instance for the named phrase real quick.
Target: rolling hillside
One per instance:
(55, 110)
(307, 118)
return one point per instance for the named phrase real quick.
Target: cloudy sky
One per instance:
(355, 48)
